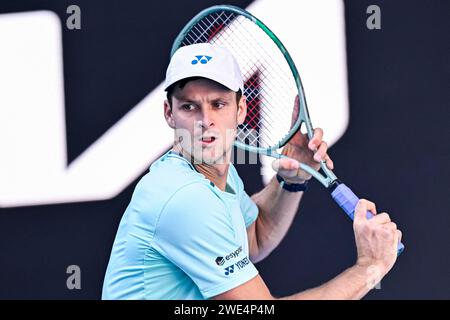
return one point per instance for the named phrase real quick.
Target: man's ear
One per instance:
(242, 110)
(168, 114)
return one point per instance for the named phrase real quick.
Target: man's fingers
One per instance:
(362, 207)
(316, 139)
(399, 236)
(390, 226)
(296, 110)
(321, 152)
(329, 162)
(321, 155)
(285, 164)
(382, 218)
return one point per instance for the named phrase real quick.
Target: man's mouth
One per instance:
(207, 140)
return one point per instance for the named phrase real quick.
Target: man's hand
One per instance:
(299, 149)
(376, 238)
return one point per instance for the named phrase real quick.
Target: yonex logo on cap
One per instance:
(201, 59)
(204, 60)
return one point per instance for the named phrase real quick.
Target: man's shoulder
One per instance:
(234, 179)
(171, 179)
(169, 172)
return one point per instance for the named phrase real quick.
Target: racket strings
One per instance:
(260, 68)
(211, 25)
(204, 30)
(269, 85)
(267, 112)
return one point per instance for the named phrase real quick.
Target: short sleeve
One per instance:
(196, 232)
(248, 206)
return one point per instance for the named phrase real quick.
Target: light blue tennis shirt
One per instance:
(181, 237)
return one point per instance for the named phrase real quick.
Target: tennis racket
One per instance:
(271, 83)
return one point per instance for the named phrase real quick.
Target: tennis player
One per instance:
(192, 232)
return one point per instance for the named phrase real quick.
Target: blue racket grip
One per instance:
(347, 200)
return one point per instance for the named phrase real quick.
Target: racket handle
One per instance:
(347, 200)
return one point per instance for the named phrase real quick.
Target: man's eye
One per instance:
(220, 105)
(188, 107)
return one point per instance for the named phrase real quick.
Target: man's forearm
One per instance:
(277, 209)
(354, 283)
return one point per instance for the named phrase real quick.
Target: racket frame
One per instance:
(345, 198)
(303, 117)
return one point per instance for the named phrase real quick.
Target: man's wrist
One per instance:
(371, 273)
(292, 186)
(371, 265)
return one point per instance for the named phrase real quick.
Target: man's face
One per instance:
(205, 116)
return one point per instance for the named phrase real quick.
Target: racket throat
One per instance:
(333, 185)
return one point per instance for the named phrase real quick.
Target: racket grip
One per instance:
(347, 200)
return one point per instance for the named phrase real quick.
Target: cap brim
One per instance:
(216, 78)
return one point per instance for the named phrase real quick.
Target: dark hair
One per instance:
(181, 83)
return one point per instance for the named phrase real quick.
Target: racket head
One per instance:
(271, 79)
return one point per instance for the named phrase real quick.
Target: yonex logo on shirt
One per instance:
(243, 263)
(240, 264)
(229, 270)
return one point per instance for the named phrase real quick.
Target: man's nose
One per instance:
(206, 120)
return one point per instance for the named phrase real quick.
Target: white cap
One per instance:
(207, 61)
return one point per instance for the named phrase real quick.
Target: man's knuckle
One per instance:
(386, 234)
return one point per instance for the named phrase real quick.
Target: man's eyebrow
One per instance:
(196, 102)
(187, 100)
(222, 98)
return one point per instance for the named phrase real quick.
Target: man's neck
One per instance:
(216, 173)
